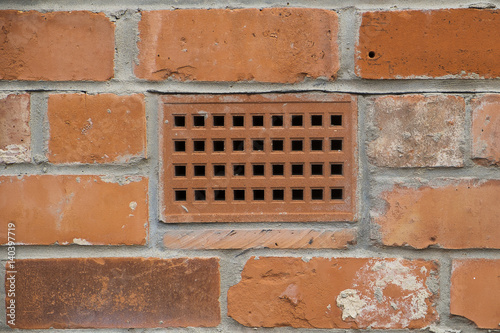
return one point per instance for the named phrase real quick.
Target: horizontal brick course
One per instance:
(116, 293)
(267, 45)
(56, 46)
(85, 210)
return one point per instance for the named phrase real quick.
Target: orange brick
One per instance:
(475, 291)
(486, 130)
(96, 128)
(267, 45)
(456, 216)
(14, 129)
(252, 238)
(116, 292)
(430, 43)
(57, 46)
(417, 131)
(334, 293)
(86, 210)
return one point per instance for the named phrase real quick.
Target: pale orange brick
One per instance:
(85, 210)
(14, 129)
(56, 46)
(486, 130)
(267, 45)
(102, 128)
(335, 293)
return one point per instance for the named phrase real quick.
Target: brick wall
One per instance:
(390, 222)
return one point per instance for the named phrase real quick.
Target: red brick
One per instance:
(460, 215)
(96, 128)
(14, 129)
(57, 46)
(486, 130)
(334, 293)
(267, 45)
(417, 131)
(429, 43)
(86, 210)
(255, 238)
(475, 291)
(116, 292)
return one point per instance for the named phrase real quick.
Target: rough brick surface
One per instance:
(96, 128)
(486, 130)
(460, 215)
(116, 292)
(475, 291)
(267, 45)
(255, 238)
(14, 129)
(430, 43)
(334, 293)
(57, 46)
(417, 131)
(82, 210)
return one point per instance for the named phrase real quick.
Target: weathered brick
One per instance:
(475, 291)
(429, 43)
(116, 292)
(417, 131)
(252, 238)
(82, 210)
(267, 45)
(486, 130)
(14, 129)
(460, 215)
(57, 46)
(335, 293)
(96, 128)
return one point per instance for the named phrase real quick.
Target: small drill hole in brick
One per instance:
(238, 145)
(180, 195)
(179, 146)
(219, 170)
(371, 54)
(258, 195)
(317, 194)
(239, 170)
(218, 121)
(297, 120)
(199, 121)
(239, 195)
(297, 169)
(258, 145)
(180, 170)
(278, 169)
(278, 194)
(316, 169)
(336, 169)
(199, 171)
(238, 121)
(198, 145)
(316, 145)
(277, 121)
(200, 195)
(179, 121)
(297, 145)
(219, 195)
(317, 120)
(337, 194)
(297, 194)
(336, 120)
(336, 145)
(258, 121)
(277, 145)
(258, 169)
(218, 145)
